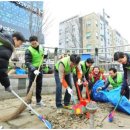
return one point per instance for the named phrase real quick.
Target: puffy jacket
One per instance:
(6, 49)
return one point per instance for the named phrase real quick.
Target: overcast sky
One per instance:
(59, 10)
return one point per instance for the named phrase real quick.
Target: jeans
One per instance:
(59, 90)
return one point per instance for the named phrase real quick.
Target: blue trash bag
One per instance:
(112, 96)
(20, 71)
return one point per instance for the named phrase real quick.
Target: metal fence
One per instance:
(54, 54)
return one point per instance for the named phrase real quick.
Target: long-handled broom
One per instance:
(112, 113)
(41, 118)
(22, 106)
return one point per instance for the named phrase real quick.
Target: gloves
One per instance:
(99, 89)
(79, 82)
(70, 91)
(122, 92)
(36, 72)
(85, 83)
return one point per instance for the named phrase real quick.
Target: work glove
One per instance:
(79, 82)
(85, 83)
(36, 72)
(122, 92)
(70, 91)
(99, 89)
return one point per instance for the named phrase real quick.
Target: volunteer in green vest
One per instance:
(85, 67)
(33, 56)
(115, 79)
(63, 68)
(124, 59)
(7, 45)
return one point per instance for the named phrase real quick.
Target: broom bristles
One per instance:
(21, 108)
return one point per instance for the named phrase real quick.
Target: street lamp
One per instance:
(104, 21)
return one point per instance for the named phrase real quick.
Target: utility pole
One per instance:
(105, 44)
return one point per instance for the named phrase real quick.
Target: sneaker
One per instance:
(8, 89)
(1, 127)
(59, 110)
(68, 107)
(41, 103)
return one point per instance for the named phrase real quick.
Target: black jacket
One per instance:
(5, 51)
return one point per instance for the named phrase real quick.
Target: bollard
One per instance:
(91, 108)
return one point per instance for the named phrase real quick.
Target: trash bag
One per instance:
(112, 96)
(20, 71)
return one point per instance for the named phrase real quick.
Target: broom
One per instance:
(112, 113)
(22, 107)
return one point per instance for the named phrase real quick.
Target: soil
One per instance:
(66, 120)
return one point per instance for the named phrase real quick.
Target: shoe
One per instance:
(59, 111)
(41, 103)
(68, 107)
(9, 89)
(1, 127)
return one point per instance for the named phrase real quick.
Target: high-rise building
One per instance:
(94, 32)
(22, 16)
(69, 34)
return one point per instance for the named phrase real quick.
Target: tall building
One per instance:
(69, 34)
(22, 16)
(93, 32)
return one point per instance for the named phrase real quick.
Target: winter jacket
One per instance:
(6, 49)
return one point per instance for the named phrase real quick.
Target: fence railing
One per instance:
(55, 53)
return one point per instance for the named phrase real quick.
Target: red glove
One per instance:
(85, 83)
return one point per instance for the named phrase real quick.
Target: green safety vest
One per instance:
(67, 67)
(93, 78)
(1, 43)
(119, 80)
(85, 69)
(128, 67)
(36, 56)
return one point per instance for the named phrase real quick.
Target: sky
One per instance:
(60, 10)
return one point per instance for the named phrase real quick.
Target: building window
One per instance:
(88, 35)
(97, 35)
(101, 26)
(96, 22)
(88, 23)
(89, 47)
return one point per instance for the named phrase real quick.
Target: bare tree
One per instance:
(73, 33)
(39, 25)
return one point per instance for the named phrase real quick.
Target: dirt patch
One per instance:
(66, 120)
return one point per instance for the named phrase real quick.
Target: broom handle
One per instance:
(32, 87)
(24, 102)
(87, 92)
(79, 93)
(117, 103)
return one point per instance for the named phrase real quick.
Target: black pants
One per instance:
(127, 93)
(31, 76)
(4, 79)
